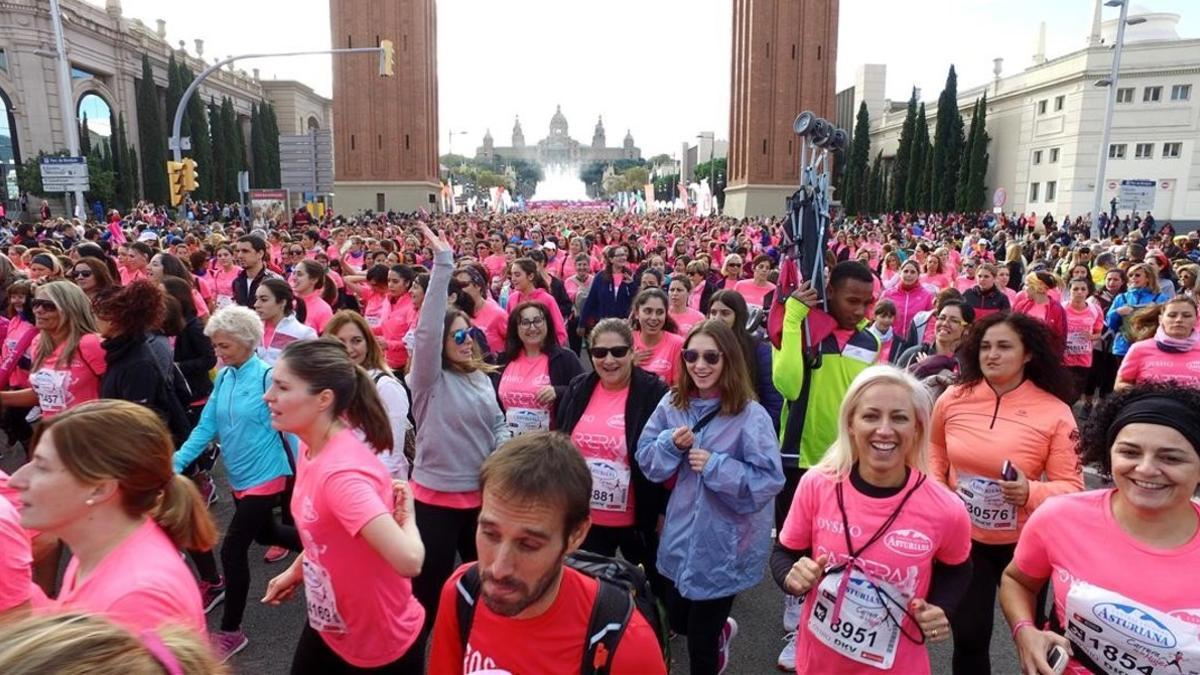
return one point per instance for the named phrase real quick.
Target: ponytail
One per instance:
(324, 364)
(182, 514)
(366, 412)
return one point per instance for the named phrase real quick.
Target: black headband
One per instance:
(1161, 410)
(43, 259)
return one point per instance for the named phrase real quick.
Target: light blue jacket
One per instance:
(1134, 297)
(236, 415)
(718, 527)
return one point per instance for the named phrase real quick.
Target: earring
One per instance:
(90, 502)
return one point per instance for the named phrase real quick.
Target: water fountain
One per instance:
(560, 182)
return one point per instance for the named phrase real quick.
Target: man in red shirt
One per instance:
(535, 610)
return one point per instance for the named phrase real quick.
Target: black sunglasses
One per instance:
(81, 274)
(603, 352)
(711, 356)
(45, 305)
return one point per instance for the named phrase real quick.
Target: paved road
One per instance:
(273, 631)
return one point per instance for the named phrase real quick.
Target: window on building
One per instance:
(1051, 190)
(1172, 150)
(3, 60)
(1144, 151)
(1125, 95)
(78, 73)
(1053, 155)
(1181, 92)
(1037, 156)
(1151, 94)
(1058, 102)
(1033, 192)
(1116, 151)
(1042, 107)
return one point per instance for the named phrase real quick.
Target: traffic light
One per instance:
(189, 175)
(175, 180)
(387, 58)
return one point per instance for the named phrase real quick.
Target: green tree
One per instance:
(258, 155)
(947, 147)
(220, 151)
(101, 183)
(855, 186)
(899, 196)
(151, 137)
(195, 125)
(29, 172)
(659, 160)
(925, 185)
(876, 187)
(977, 167)
(916, 162)
(528, 175)
(964, 174)
(271, 140)
(175, 88)
(85, 137)
(235, 156)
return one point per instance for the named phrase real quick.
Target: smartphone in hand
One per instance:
(1008, 472)
(1057, 659)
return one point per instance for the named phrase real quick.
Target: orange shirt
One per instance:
(974, 431)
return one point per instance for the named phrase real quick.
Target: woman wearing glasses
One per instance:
(459, 423)
(886, 547)
(1143, 291)
(604, 413)
(91, 276)
(719, 444)
(535, 370)
(950, 325)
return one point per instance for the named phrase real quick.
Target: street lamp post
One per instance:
(1111, 83)
(66, 103)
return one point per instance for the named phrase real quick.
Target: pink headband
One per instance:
(161, 653)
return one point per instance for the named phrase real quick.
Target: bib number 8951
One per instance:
(849, 631)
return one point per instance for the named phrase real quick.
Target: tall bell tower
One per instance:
(385, 129)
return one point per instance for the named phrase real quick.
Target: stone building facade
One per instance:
(558, 148)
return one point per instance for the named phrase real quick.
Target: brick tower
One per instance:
(784, 60)
(385, 129)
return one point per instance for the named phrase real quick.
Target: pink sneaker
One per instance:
(212, 595)
(275, 554)
(229, 642)
(727, 634)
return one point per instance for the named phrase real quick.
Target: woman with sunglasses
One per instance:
(459, 423)
(274, 303)
(656, 342)
(1142, 292)
(869, 513)
(720, 446)
(68, 360)
(534, 370)
(91, 276)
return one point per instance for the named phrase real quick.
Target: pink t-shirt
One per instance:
(18, 378)
(64, 386)
(686, 319)
(200, 302)
(664, 357)
(522, 379)
(374, 304)
(141, 584)
(600, 437)
(1075, 538)
(363, 609)
(318, 311)
(495, 265)
(932, 526)
(223, 284)
(1081, 326)
(16, 558)
(573, 284)
(753, 294)
(1145, 362)
(515, 298)
(493, 321)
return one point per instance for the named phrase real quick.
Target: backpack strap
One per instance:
(468, 587)
(611, 612)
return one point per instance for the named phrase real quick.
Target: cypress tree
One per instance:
(135, 185)
(899, 198)
(151, 137)
(174, 93)
(925, 185)
(271, 143)
(220, 149)
(196, 126)
(85, 137)
(855, 186)
(235, 149)
(259, 171)
(947, 146)
(964, 174)
(916, 162)
(977, 168)
(877, 186)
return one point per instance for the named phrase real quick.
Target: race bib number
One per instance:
(323, 613)
(860, 626)
(985, 503)
(1079, 343)
(51, 388)
(374, 321)
(1122, 636)
(524, 420)
(610, 485)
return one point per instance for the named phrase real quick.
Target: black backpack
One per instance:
(622, 588)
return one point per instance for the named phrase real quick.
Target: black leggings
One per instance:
(253, 520)
(702, 622)
(783, 500)
(973, 622)
(314, 656)
(445, 532)
(1103, 374)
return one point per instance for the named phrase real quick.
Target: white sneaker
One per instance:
(791, 613)
(787, 657)
(727, 634)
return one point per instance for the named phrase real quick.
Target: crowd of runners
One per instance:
(561, 441)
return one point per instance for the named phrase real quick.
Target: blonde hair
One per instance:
(83, 644)
(841, 456)
(75, 310)
(1151, 276)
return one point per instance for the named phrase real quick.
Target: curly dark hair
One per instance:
(1044, 369)
(513, 345)
(132, 309)
(1093, 437)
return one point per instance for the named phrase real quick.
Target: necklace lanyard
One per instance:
(885, 598)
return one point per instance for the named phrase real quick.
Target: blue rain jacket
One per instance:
(717, 531)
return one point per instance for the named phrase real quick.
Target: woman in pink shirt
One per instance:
(122, 511)
(678, 292)
(656, 341)
(535, 370)
(869, 514)
(756, 290)
(1173, 354)
(308, 282)
(528, 285)
(223, 275)
(910, 296)
(361, 544)
(1120, 557)
(935, 273)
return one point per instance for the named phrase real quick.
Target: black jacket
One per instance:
(645, 391)
(133, 375)
(994, 299)
(195, 357)
(564, 366)
(244, 287)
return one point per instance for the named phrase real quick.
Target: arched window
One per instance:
(313, 123)
(95, 118)
(10, 155)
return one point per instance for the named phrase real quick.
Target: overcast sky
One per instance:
(659, 68)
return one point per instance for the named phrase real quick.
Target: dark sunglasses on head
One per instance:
(603, 352)
(81, 274)
(711, 356)
(45, 305)
(461, 335)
